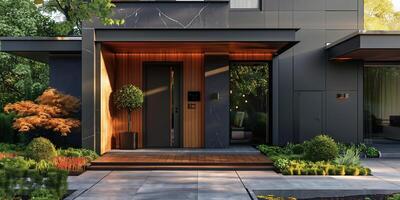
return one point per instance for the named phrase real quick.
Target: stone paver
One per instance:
(210, 185)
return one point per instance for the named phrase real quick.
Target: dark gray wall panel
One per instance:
(246, 19)
(271, 19)
(285, 81)
(341, 76)
(309, 5)
(216, 109)
(342, 116)
(309, 19)
(309, 60)
(66, 74)
(270, 4)
(285, 19)
(342, 5)
(334, 35)
(286, 5)
(341, 20)
(89, 114)
(308, 110)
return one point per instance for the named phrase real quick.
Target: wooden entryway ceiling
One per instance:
(196, 47)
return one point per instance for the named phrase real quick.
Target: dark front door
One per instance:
(162, 106)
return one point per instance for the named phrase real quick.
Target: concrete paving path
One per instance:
(209, 185)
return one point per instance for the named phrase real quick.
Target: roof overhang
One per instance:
(379, 46)
(274, 41)
(40, 48)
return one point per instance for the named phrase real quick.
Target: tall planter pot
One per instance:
(129, 140)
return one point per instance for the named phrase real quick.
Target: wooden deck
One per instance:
(181, 161)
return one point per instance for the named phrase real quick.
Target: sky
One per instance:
(396, 4)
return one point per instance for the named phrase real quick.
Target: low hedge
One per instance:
(76, 153)
(323, 168)
(20, 177)
(328, 158)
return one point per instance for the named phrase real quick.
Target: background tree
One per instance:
(249, 81)
(380, 15)
(20, 78)
(77, 11)
(52, 110)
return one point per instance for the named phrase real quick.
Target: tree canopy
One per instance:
(380, 15)
(22, 78)
(76, 12)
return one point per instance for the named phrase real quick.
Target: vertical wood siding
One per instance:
(129, 69)
(107, 87)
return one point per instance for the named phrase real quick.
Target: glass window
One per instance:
(381, 103)
(250, 103)
(245, 3)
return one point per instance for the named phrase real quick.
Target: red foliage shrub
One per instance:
(52, 111)
(71, 164)
(7, 155)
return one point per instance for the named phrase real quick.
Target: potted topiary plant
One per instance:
(129, 98)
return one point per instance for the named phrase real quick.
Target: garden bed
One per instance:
(319, 156)
(39, 170)
(26, 197)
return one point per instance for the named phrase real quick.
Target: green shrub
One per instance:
(10, 148)
(350, 158)
(40, 149)
(340, 170)
(372, 152)
(394, 197)
(332, 170)
(7, 133)
(272, 150)
(42, 194)
(353, 171)
(321, 147)
(312, 171)
(362, 147)
(44, 166)
(321, 172)
(17, 163)
(363, 171)
(291, 148)
(298, 149)
(281, 163)
(72, 152)
(23, 178)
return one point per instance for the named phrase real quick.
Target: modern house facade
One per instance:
(188, 55)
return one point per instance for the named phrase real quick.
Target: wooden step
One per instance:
(113, 163)
(180, 167)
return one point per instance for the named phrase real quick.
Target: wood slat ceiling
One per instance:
(195, 47)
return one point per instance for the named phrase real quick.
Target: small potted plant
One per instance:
(129, 98)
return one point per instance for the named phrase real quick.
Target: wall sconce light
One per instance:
(342, 96)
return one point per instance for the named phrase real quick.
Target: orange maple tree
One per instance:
(52, 111)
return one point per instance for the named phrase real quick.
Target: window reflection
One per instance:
(249, 102)
(382, 102)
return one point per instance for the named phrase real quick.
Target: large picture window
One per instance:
(250, 103)
(382, 102)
